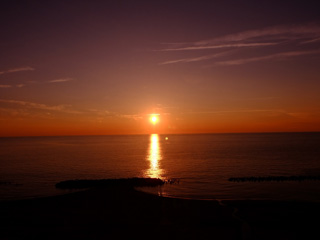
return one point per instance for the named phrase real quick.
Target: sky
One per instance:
(103, 67)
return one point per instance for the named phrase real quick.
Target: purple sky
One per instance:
(102, 67)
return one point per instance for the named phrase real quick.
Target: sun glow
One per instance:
(154, 118)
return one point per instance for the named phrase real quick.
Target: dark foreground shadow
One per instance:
(120, 212)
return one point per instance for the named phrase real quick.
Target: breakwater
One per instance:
(128, 182)
(274, 178)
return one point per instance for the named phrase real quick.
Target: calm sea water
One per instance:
(31, 166)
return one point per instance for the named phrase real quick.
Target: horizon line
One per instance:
(135, 134)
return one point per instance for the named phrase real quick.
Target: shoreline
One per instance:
(99, 213)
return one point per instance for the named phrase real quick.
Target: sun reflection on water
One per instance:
(154, 157)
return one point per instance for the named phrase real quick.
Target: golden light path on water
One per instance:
(154, 157)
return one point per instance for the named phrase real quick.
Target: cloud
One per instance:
(131, 116)
(59, 108)
(254, 38)
(291, 38)
(9, 86)
(282, 55)
(26, 108)
(196, 59)
(276, 33)
(102, 114)
(269, 112)
(17, 70)
(311, 41)
(235, 45)
(60, 80)
(5, 86)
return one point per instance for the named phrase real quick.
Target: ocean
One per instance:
(203, 163)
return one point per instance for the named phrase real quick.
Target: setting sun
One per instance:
(154, 119)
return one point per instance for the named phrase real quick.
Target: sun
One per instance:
(154, 118)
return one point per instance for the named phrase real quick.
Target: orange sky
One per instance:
(82, 68)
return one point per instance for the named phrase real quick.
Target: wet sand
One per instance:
(123, 213)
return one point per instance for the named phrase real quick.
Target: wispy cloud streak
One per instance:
(131, 116)
(312, 41)
(196, 59)
(290, 38)
(5, 86)
(236, 45)
(60, 80)
(279, 56)
(102, 114)
(10, 86)
(276, 33)
(269, 112)
(60, 108)
(17, 70)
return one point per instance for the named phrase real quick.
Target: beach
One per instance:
(123, 212)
